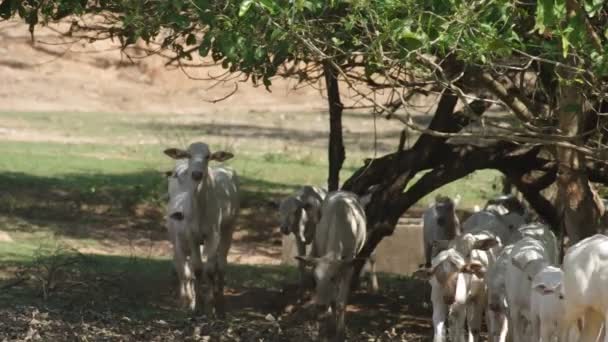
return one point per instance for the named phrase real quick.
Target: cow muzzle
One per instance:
(197, 175)
(178, 216)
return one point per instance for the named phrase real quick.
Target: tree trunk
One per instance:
(576, 200)
(336, 153)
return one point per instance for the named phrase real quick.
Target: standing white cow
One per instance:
(458, 289)
(339, 237)
(498, 326)
(528, 258)
(585, 278)
(439, 222)
(209, 213)
(501, 216)
(299, 214)
(547, 306)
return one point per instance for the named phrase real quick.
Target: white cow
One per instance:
(498, 325)
(439, 222)
(585, 279)
(299, 214)
(339, 237)
(528, 258)
(547, 306)
(209, 213)
(458, 290)
(496, 218)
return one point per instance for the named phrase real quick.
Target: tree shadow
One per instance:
(116, 207)
(136, 298)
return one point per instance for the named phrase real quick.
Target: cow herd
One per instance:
(501, 266)
(496, 265)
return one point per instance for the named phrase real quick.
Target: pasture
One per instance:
(83, 248)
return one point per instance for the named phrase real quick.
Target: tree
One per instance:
(542, 61)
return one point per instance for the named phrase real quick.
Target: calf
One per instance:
(585, 272)
(498, 325)
(439, 222)
(528, 257)
(209, 213)
(458, 290)
(298, 215)
(547, 305)
(339, 236)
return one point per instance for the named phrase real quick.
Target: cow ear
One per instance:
(221, 156)
(542, 289)
(474, 268)
(486, 244)
(423, 273)
(177, 153)
(306, 261)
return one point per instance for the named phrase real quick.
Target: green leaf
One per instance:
(6, 10)
(203, 49)
(245, 5)
(269, 5)
(565, 45)
(410, 40)
(593, 7)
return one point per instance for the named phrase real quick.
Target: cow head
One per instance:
(466, 244)
(180, 195)
(328, 273)
(444, 209)
(549, 281)
(198, 156)
(447, 270)
(529, 262)
(293, 215)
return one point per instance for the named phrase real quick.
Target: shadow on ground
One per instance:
(100, 297)
(116, 207)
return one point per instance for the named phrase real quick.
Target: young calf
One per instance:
(298, 215)
(209, 205)
(458, 290)
(547, 306)
(339, 236)
(528, 258)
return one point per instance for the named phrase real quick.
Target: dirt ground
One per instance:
(58, 75)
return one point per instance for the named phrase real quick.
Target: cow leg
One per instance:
(185, 277)
(373, 277)
(428, 254)
(457, 319)
(340, 307)
(220, 303)
(537, 328)
(592, 327)
(503, 326)
(475, 317)
(440, 312)
(301, 267)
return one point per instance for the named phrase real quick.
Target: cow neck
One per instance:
(204, 192)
